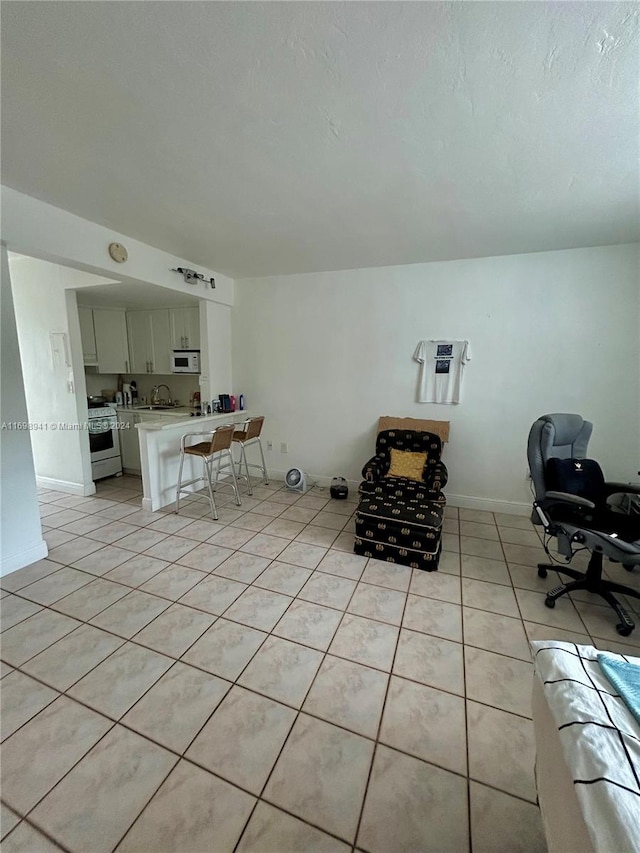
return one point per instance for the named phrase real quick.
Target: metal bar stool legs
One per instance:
(179, 486)
(219, 444)
(206, 461)
(247, 476)
(250, 434)
(232, 469)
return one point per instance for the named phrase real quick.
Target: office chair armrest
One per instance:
(375, 468)
(621, 489)
(566, 498)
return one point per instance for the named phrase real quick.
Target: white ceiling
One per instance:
(263, 138)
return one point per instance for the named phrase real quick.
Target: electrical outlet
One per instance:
(269, 445)
(284, 447)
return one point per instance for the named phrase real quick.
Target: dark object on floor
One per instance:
(399, 517)
(339, 489)
(573, 504)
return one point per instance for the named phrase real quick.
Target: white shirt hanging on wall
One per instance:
(441, 367)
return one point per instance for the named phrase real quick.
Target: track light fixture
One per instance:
(193, 277)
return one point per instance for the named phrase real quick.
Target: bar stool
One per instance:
(247, 435)
(219, 446)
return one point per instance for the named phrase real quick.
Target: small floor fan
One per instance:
(296, 480)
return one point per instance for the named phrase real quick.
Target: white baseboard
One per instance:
(464, 501)
(19, 559)
(319, 480)
(489, 505)
(67, 486)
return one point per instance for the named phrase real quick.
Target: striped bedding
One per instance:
(600, 739)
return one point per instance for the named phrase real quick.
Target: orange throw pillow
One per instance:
(406, 464)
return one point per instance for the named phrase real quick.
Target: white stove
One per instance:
(104, 442)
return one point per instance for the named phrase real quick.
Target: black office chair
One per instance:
(572, 502)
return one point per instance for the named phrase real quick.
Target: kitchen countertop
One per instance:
(177, 411)
(201, 424)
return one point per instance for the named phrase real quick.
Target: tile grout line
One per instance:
(173, 601)
(297, 717)
(187, 759)
(466, 719)
(36, 829)
(382, 712)
(178, 601)
(326, 653)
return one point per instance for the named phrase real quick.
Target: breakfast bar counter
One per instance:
(160, 452)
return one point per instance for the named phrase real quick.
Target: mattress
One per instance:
(587, 753)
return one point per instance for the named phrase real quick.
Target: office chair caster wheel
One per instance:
(542, 573)
(550, 602)
(624, 630)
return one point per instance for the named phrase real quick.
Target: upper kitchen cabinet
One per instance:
(140, 346)
(88, 336)
(185, 327)
(160, 337)
(149, 341)
(111, 340)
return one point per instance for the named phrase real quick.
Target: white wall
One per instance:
(55, 392)
(323, 355)
(21, 532)
(31, 227)
(215, 350)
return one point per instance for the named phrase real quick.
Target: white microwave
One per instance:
(185, 361)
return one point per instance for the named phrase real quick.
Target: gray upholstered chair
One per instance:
(572, 503)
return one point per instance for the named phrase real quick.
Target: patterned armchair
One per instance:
(399, 519)
(434, 474)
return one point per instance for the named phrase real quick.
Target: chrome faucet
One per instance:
(155, 394)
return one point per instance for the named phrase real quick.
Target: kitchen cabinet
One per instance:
(130, 437)
(185, 327)
(161, 342)
(87, 335)
(140, 348)
(149, 341)
(111, 340)
(129, 442)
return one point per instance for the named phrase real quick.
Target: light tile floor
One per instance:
(174, 683)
